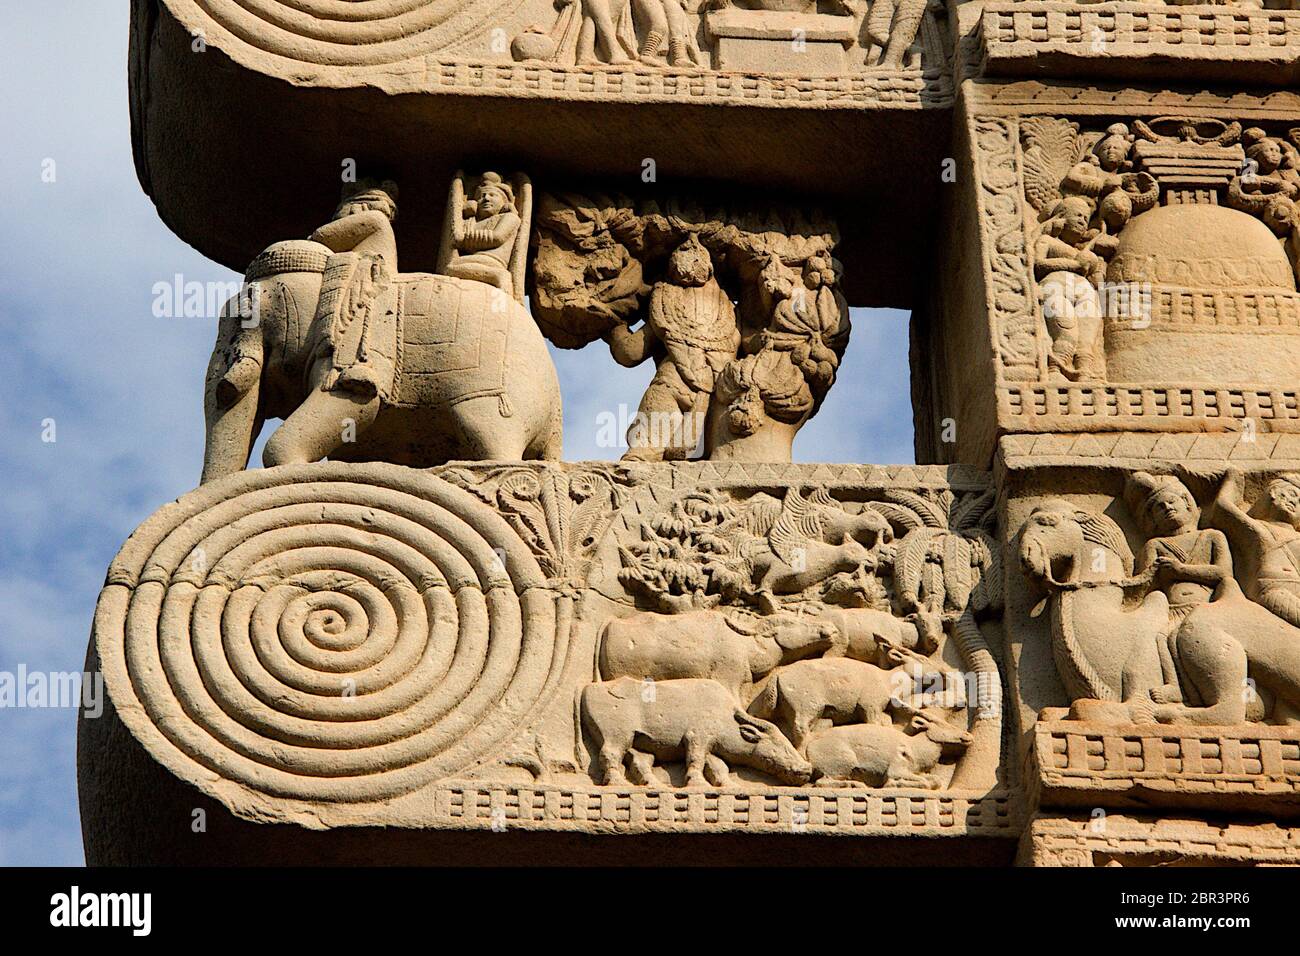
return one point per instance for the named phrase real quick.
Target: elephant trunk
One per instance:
(231, 408)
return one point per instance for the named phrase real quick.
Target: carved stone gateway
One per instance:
(1070, 635)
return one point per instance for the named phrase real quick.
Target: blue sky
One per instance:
(79, 259)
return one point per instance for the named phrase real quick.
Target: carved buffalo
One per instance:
(695, 720)
(841, 691)
(733, 650)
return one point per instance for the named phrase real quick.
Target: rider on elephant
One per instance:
(352, 362)
(1191, 565)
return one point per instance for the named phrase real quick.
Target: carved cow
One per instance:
(695, 720)
(870, 755)
(842, 691)
(731, 650)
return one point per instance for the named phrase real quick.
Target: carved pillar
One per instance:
(1132, 379)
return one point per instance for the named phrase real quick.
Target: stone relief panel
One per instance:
(1140, 273)
(740, 310)
(851, 623)
(1167, 613)
(363, 362)
(803, 37)
(337, 641)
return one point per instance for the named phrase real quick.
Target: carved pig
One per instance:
(847, 691)
(730, 650)
(695, 720)
(870, 755)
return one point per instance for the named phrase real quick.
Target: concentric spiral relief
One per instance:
(327, 632)
(344, 32)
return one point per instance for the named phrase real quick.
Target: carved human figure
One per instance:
(1190, 564)
(352, 345)
(1269, 186)
(356, 337)
(1069, 243)
(325, 355)
(484, 233)
(1070, 264)
(892, 25)
(1107, 648)
(1272, 531)
(600, 39)
(667, 31)
(1101, 177)
(690, 331)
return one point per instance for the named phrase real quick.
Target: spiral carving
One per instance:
(330, 632)
(344, 32)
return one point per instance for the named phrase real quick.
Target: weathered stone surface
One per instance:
(342, 645)
(1076, 626)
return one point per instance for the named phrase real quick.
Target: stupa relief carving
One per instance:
(1169, 225)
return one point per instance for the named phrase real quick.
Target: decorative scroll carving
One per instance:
(331, 632)
(336, 634)
(560, 516)
(1010, 303)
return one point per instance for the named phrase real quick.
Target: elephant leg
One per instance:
(322, 423)
(487, 435)
(550, 446)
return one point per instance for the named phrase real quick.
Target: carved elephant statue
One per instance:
(442, 369)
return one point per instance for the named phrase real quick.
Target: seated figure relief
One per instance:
(1170, 637)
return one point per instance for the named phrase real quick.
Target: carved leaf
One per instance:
(798, 524)
(1051, 147)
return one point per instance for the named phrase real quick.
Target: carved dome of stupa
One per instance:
(1201, 293)
(1201, 247)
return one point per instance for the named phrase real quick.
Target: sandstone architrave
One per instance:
(1070, 637)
